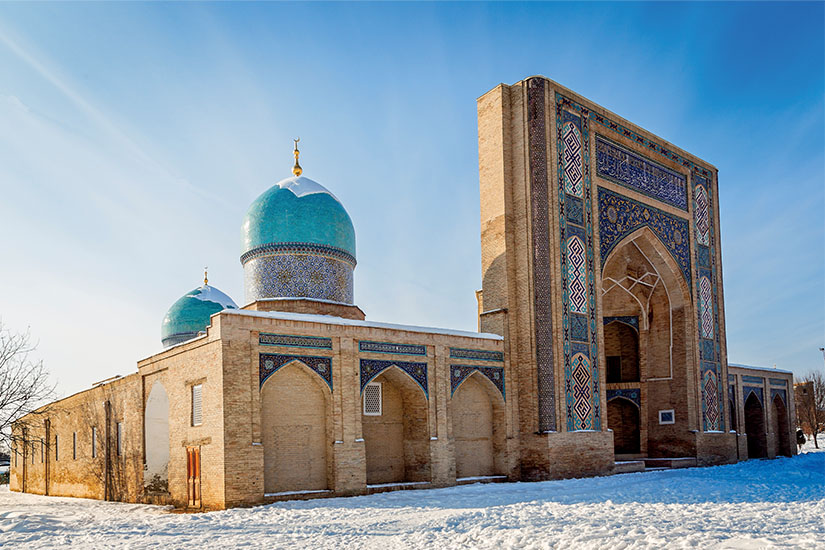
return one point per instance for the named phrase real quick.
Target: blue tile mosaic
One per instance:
(459, 373)
(575, 210)
(540, 230)
(476, 354)
(778, 382)
(578, 327)
(781, 393)
(290, 340)
(270, 363)
(753, 380)
(389, 347)
(370, 368)
(631, 170)
(706, 349)
(620, 216)
(298, 276)
(747, 390)
(634, 394)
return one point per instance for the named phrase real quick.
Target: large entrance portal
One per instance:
(755, 427)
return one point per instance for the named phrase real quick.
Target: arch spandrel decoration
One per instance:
(630, 320)
(781, 393)
(270, 363)
(620, 216)
(710, 401)
(634, 395)
(370, 368)
(459, 373)
(576, 240)
(747, 390)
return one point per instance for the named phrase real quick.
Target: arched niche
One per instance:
(621, 350)
(783, 442)
(295, 430)
(477, 413)
(397, 441)
(755, 427)
(156, 432)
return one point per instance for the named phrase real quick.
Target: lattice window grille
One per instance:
(197, 406)
(373, 402)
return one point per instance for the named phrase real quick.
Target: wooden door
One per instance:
(193, 476)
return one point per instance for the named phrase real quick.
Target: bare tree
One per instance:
(809, 393)
(24, 382)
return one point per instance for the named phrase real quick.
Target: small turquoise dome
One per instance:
(190, 314)
(297, 210)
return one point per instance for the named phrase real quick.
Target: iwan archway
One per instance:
(647, 315)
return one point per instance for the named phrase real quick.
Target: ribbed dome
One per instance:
(297, 210)
(190, 314)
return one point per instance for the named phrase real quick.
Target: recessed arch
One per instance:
(156, 434)
(399, 369)
(624, 418)
(613, 398)
(755, 427)
(783, 442)
(477, 415)
(295, 430)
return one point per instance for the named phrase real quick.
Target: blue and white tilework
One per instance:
(291, 340)
(389, 347)
(632, 394)
(781, 393)
(476, 354)
(370, 368)
(631, 170)
(269, 363)
(747, 390)
(629, 320)
(620, 216)
(298, 276)
(579, 328)
(459, 373)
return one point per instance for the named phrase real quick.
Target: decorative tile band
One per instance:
(753, 380)
(299, 248)
(298, 276)
(630, 320)
(476, 354)
(290, 340)
(540, 230)
(459, 373)
(370, 368)
(710, 401)
(631, 170)
(270, 363)
(781, 393)
(620, 216)
(576, 241)
(778, 382)
(389, 347)
(747, 390)
(633, 394)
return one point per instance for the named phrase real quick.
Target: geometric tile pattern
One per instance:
(269, 363)
(576, 275)
(633, 394)
(476, 354)
(706, 307)
(707, 296)
(620, 216)
(459, 373)
(780, 393)
(710, 388)
(581, 368)
(389, 347)
(582, 392)
(758, 380)
(629, 169)
(702, 216)
(290, 340)
(778, 382)
(370, 368)
(540, 230)
(298, 276)
(573, 176)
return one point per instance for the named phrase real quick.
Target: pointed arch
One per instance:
(477, 418)
(156, 436)
(417, 372)
(614, 397)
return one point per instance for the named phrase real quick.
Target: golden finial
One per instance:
(205, 278)
(297, 170)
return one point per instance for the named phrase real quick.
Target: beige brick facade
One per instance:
(561, 380)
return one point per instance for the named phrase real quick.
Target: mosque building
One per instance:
(601, 344)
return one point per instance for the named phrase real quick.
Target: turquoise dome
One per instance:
(298, 210)
(190, 314)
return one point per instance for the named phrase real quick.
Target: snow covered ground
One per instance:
(755, 504)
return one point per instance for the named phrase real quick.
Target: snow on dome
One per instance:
(191, 314)
(301, 186)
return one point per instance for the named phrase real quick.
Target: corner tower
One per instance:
(298, 248)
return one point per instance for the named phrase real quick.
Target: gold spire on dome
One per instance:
(205, 278)
(297, 170)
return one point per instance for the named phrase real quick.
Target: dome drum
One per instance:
(285, 275)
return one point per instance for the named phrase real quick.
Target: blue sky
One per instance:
(134, 136)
